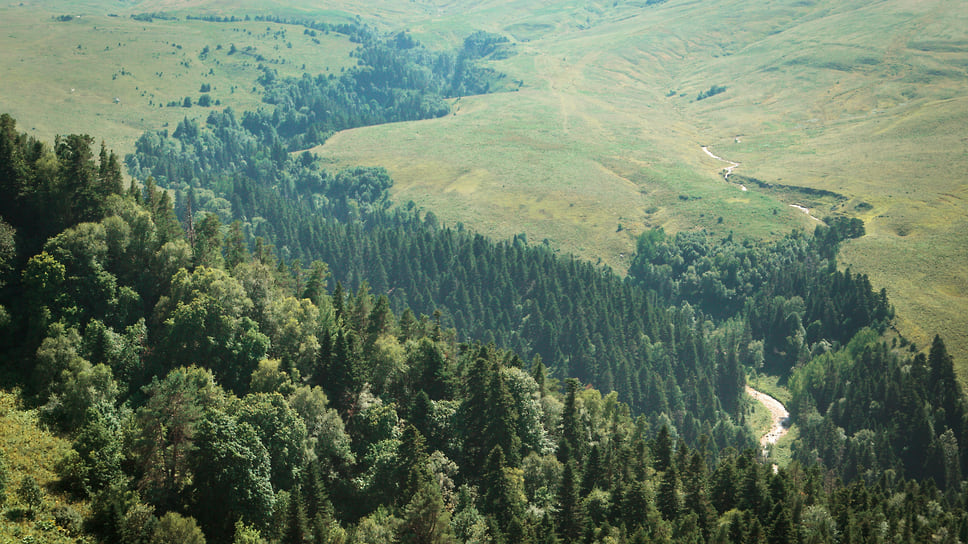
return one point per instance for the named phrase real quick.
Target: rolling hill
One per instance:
(852, 107)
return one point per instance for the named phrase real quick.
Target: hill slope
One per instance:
(604, 137)
(866, 101)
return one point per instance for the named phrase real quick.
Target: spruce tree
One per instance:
(572, 442)
(662, 450)
(297, 528)
(474, 412)
(425, 519)
(502, 419)
(570, 512)
(668, 498)
(500, 498)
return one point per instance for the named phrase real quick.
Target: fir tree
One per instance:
(570, 513)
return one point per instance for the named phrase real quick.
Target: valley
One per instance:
(596, 145)
(459, 272)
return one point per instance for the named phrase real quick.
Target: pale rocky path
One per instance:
(778, 414)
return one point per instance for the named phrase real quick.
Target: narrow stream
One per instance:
(729, 169)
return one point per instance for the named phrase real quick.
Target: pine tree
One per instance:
(592, 473)
(662, 450)
(500, 498)
(781, 530)
(297, 529)
(316, 282)
(668, 498)
(538, 372)
(315, 498)
(572, 443)
(425, 520)
(570, 513)
(697, 494)
(502, 418)
(474, 412)
(236, 251)
(943, 385)
(412, 463)
(339, 302)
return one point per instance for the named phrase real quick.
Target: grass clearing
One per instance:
(758, 418)
(31, 451)
(113, 76)
(781, 453)
(771, 386)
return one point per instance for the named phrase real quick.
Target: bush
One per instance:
(714, 90)
(68, 519)
(174, 528)
(30, 493)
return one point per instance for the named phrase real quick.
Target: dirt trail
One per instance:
(779, 415)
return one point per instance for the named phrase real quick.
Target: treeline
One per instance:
(682, 357)
(396, 79)
(790, 293)
(582, 320)
(213, 393)
(869, 412)
(675, 340)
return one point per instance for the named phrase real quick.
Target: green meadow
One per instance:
(602, 140)
(106, 74)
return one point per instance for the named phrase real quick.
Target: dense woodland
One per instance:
(275, 354)
(210, 388)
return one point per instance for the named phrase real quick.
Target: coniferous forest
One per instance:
(243, 346)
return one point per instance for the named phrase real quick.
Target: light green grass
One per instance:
(31, 451)
(758, 419)
(770, 385)
(113, 76)
(781, 453)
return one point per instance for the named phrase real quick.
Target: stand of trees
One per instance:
(406, 384)
(215, 392)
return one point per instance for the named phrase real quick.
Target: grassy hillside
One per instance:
(604, 137)
(32, 452)
(867, 101)
(104, 73)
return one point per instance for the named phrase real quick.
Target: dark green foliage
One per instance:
(232, 477)
(500, 497)
(100, 449)
(29, 493)
(281, 431)
(481, 44)
(570, 513)
(712, 91)
(572, 436)
(667, 499)
(123, 297)
(297, 527)
(109, 509)
(662, 450)
(779, 288)
(205, 318)
(425, 520)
